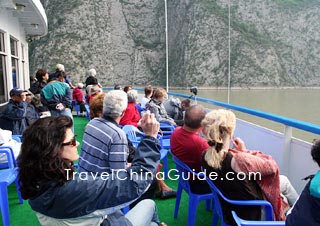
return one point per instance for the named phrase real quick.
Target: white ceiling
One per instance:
(33, 18)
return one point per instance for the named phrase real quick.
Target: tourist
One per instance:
(156, 107)
(13, 114)
(60, 196)
(219, 126)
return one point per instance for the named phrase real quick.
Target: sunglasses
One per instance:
(72, 142)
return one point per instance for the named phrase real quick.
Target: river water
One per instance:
(301, 104)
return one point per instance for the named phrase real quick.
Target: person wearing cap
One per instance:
(91, 79)
(13, 115)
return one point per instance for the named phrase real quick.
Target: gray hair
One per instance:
(132, 96)
(114, 103)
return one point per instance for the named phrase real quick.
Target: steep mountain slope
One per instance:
(273, 43)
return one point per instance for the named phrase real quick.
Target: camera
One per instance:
(194, 90)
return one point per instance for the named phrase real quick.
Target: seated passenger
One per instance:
(13, 114)
(306, 210)
(32, 112)
(96, 106)
(131, 115)
(59, 196)
(105, 146)
(127, 88)
(94, 91)
(219, 126)
(156, 107)
(176, 109)
(147, 95)
(187, 145)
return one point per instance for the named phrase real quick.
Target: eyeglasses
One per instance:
(72, 142)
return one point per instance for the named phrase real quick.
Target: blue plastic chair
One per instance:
(125, 209)
(7, 176)
(218, 209)
(135, 136)
(166, 132)
(76, 107)
(87, 111)
(241, 222)
(17, 138)
(194, 199)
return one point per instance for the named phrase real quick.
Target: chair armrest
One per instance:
(266, 204)
(240, 221)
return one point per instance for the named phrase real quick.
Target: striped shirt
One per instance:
(104, 147)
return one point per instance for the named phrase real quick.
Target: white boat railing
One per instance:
(292, 154)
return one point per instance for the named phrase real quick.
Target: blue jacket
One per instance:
(86, 200)
(306, 210)
(13, 117)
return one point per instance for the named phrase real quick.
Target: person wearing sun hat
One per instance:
(13, 115)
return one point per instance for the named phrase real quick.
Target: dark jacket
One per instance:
(37, 87)
(91, 80)
(32, 114)
(13, 117)
(94, 201)
(306, 210)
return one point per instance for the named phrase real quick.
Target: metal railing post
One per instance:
(287, 136)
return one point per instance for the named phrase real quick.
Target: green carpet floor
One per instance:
(23, 215)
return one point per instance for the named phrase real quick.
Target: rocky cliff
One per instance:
(273, 43)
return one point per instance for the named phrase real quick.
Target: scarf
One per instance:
(256, 161)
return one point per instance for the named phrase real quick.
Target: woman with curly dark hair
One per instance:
(61, 196)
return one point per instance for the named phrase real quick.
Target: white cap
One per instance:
(92, 72)
(80, 85)
(60, 67)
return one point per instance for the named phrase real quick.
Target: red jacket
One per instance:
(131, 116)
(77, 95)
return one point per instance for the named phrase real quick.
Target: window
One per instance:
(14, 62)
(2, 69)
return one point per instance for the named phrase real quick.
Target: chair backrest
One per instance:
(217, 204)
(184, 173)
(241, 222)
(133, 134)
(166, 128)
